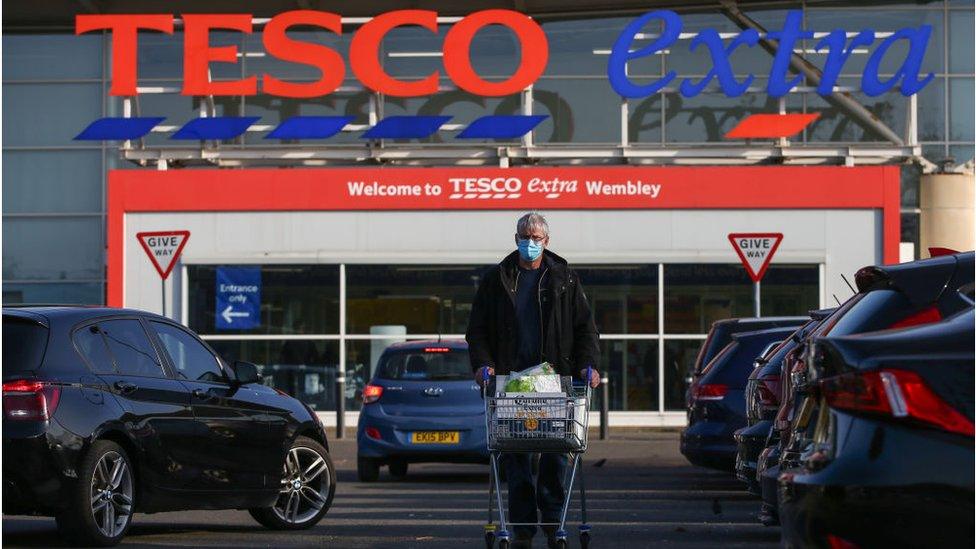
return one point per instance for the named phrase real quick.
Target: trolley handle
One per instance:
(586, 380)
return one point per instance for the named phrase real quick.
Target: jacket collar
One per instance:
(554, 265)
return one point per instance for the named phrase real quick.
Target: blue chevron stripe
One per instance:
(310, 127)
(406, 127)
(501, 126)
(217, 127)
(119, 128)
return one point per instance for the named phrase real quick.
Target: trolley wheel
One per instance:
(561, 544)
(489, 540)
(503, 544)
(585, 540)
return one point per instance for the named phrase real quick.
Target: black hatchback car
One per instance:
(107, 412)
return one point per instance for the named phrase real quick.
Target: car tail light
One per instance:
(894, 393)
(834, 542)
(712, 391)
(925, 316)
(437, 349)
(373, 433)
(372, 393)
(25, 400)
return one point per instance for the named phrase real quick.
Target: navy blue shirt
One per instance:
(528, 317)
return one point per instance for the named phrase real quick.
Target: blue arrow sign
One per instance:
(238, 298)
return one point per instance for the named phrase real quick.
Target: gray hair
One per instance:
(531, 220)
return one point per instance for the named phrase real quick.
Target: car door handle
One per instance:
(203, 395)
(125, 388)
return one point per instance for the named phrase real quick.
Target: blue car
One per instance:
(421, 405)
(717, 407)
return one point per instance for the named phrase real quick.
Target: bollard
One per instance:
(604, 408)
(340, 407)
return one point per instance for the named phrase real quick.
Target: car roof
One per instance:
(454, 344)
(72, 313)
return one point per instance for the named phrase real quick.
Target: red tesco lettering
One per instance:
(363, 53)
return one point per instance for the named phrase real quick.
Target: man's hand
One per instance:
(479, 374)
(594, 377)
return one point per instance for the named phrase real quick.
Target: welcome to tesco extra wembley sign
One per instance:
(365, 46)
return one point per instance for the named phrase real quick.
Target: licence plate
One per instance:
(435, 437)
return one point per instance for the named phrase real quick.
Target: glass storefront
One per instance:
(298, 340)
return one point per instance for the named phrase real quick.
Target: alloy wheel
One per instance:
(111, 494)
(305, 486)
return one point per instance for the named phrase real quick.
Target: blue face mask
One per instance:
(529, 249)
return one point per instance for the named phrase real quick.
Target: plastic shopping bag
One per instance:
(537, 379)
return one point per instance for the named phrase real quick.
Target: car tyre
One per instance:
(307, 489)
(100, 505)
(367, 469)
(398, 468)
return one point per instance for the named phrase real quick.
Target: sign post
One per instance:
(755, 251)
(163, 249)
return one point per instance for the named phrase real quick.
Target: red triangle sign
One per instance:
(756, 251)
(163, 248)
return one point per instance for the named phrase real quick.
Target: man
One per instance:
(530, 309)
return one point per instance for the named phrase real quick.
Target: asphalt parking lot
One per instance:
(641, 493)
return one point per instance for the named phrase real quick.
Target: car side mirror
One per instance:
(245, 372)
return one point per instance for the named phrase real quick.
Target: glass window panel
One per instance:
(697, 295)
(161, 55)
(934, 152)
(961, 41)
(129, 344)
(890, 108)
(51, 56)
(910, 174)
(961, 96)
(790, 290)
(580, 111)
(400, 42)
(90, 343)
(48, 114)
(46, 181)
(66, 293)
(422, 299)
(909, 229)
(53, 248)
(632, 370)
(881, 20)
(571, 45)
(644, 122)
(273, 110)
(708, 116)
(961, 153)
(495, 52)
(362, 357)
(192, 360)
(461, 106)
(930, 111)
(679, 360)
(295, 299)
(305, 369)
(623, 297)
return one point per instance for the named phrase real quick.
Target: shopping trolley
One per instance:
(536, 423)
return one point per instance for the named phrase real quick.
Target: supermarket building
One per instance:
(365, 217)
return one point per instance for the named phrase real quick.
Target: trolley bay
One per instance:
(640, 492)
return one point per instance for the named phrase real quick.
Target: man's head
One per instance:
(531, 235)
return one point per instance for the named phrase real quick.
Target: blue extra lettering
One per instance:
(721, 63)
(918, 41)
(778, 85)
(837, 54)
(621, 54)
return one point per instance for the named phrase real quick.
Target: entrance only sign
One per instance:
(238, 298)
(163, 248)
(756, 251)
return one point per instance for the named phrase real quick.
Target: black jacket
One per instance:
(570, 341)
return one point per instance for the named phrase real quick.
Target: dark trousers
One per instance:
(525, 496)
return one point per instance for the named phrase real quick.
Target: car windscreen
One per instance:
(876, 310)
(24, 343)
(425, 364)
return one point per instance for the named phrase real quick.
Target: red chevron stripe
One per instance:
(771, 125)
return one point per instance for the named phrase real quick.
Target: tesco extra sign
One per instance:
(365, 48)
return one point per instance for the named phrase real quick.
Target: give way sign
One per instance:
(163, 248)
(756, 251)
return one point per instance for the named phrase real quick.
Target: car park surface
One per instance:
(644, 493)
